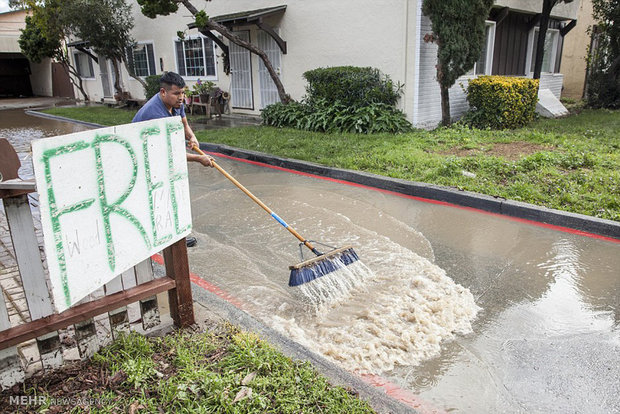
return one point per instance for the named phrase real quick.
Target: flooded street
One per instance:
(472, 312)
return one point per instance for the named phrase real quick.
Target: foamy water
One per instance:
(391, 308)
(391, 318)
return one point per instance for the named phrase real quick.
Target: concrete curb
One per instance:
(376, 397)
(496, 205)
(62, 118)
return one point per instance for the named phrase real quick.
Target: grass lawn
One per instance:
(570, 164)
(220, 371)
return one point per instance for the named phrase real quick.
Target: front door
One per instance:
(241, 74)
(268, 90)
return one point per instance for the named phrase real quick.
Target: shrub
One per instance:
(324, 116)
(500, 102)
(152, 86)
(351, 86)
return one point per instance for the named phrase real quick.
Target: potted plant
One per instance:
(189, 95)
(203, 89)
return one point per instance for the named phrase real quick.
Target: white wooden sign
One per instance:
(109, 199)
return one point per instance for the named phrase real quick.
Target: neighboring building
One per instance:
(299, 36)
(18, 76)
(576, 51)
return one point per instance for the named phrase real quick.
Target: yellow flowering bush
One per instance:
(501, 102)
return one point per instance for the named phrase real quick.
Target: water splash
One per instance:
(338, 285)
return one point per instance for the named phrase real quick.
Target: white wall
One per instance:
(562, 10)
(41, 78)
(320, 33)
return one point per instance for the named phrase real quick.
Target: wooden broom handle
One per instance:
(260, 203)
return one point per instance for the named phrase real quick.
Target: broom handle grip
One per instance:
(260, 203)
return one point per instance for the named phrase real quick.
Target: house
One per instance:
(18, 76)
(575, 53)
(299, 36)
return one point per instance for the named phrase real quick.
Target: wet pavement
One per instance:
(546, 336)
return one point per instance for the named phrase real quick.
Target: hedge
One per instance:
(501, 102)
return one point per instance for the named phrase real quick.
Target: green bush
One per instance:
(351, 86)
(501, 102)
(152, 86)
(325, 116)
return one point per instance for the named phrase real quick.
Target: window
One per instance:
(143, 59)
(196, 57)
(84, 65)
(484, 64)
(551, 48)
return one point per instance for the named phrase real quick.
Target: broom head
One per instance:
(316, 267)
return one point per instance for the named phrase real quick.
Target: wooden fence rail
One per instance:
(136, 287)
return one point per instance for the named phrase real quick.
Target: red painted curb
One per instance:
(426, 200)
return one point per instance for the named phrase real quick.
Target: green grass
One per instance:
(225, 372)
(575, 165)
(97, 114)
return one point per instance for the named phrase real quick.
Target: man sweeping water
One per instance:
(169, 101)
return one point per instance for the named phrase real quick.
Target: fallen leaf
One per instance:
(248, 378)
(134, 407)
(244, 392)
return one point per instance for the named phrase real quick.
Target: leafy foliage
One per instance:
(343, 99)
(152, 86)
(500, 102)
(604, 64)
(459, 31)
(324, 116)
(351, 86)
(36, 44)
(152, 8)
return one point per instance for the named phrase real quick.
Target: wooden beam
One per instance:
(501, 15)
(265, 27)
(180, 298)
(39, 327)
(534, 21)
(568, 27)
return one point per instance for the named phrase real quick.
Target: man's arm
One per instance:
(205, 160)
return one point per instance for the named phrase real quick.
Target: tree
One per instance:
(44, 37)
(542, 33)
(153, 8)
(106, 25)
(459, 32)
(603, 82)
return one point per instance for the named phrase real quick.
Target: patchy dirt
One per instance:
(509, 150)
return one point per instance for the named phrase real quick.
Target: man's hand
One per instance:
(192, 142)
(205, 159)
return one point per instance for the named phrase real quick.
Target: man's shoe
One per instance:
(191, 241)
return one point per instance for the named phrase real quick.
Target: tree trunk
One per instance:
(131, 73)
(542, 33)
(73, 71)
(211, 25)
(445, 105)
(117, 82)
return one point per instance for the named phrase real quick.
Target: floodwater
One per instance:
(472, 312)
(20, 129)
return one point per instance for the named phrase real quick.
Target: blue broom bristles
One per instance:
(322, 267)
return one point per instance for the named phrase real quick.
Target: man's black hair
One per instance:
(171, 78)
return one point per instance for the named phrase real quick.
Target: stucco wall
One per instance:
(41, 78)
(321, 33)
(11, 23)
(575, 51)
(561, 10)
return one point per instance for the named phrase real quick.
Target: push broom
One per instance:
(307, 270)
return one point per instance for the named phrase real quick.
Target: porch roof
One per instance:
(248, 16)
